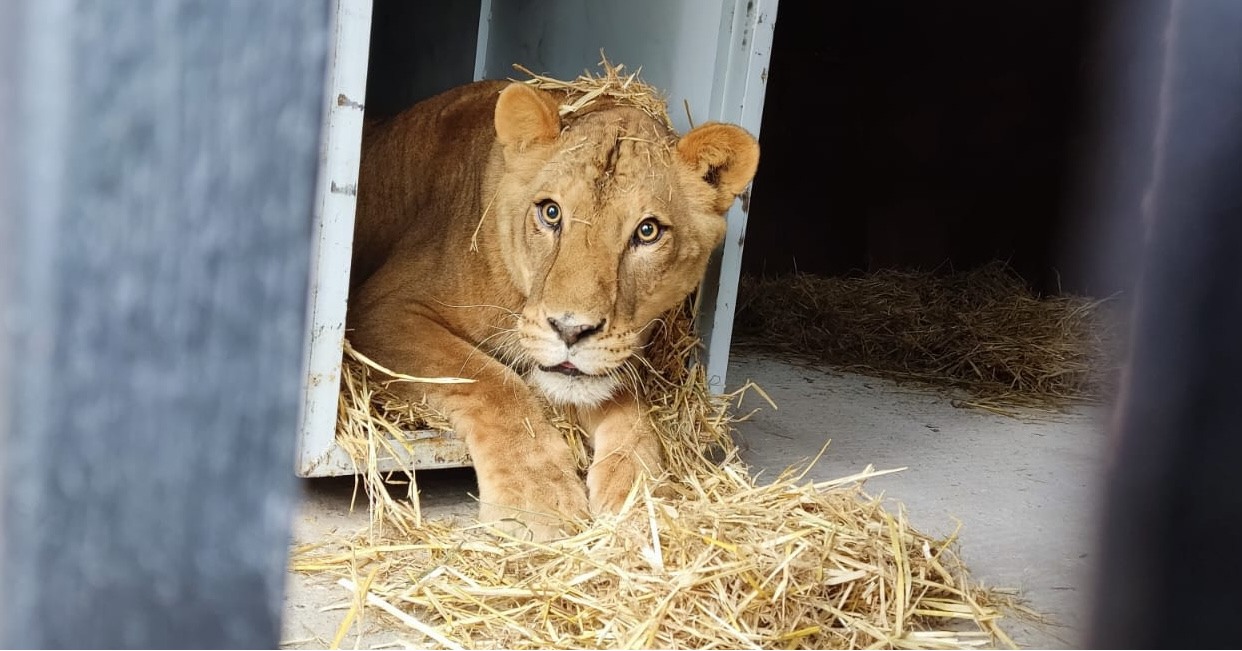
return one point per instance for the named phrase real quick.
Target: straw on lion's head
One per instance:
(606, 222)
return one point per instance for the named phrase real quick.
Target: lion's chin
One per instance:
(580, 389)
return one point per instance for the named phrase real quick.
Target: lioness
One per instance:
(497, 241)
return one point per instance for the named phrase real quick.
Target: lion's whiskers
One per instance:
(630, 375)
(510, 312)
(494, 350)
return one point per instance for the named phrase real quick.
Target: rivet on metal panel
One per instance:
(350, 189)
(342, 100)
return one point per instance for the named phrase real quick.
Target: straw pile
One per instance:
(724, 563)
(983, 332)
(706, 557)
(709, 558)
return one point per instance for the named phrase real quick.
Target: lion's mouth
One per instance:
(564, 368)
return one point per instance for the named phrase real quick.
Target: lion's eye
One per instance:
(649, 230)
(549, 213)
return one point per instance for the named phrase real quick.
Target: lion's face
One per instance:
(607, 223)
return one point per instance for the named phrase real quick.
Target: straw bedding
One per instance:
(710, 557)
(982, 332)
(706, 557)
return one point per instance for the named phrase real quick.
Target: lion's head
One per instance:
(607, 221)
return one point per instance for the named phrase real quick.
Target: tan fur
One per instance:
(473, 165)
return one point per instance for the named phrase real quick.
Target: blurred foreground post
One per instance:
(1169, 575)
(158, 160)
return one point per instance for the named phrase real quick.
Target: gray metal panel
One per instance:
(747, 28)
(160, 166)
(333, 235)
(673, 42)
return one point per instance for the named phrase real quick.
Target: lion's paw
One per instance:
(539, 508)
(610, 480)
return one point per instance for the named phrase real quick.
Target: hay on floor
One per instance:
(723, 563)
(711, 557)
(982, 331)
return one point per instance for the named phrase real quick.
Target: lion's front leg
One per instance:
(528, 481)
(626, 448)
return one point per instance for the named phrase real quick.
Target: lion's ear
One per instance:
(723, 155)
(525, 115)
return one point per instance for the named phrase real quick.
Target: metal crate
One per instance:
(709, 55)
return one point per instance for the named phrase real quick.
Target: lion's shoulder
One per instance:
(420, 170)
(441, 119)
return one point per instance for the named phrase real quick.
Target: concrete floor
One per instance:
(1024, 489)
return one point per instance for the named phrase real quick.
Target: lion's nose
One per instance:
(572, 332)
